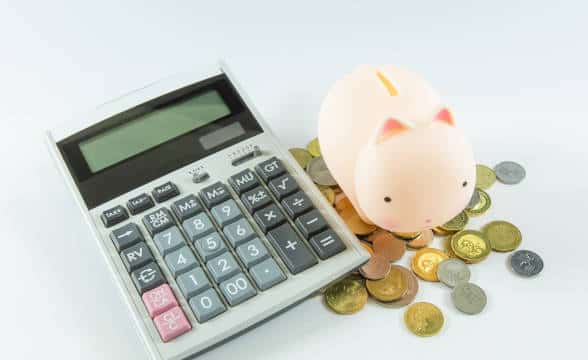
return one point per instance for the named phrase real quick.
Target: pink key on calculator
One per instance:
(172, 324)
(159, 300)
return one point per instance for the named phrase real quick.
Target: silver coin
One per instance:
(526, 263)
(469, 298)
(509, 172)
(319, 172)
(474, 200)
(452, 272)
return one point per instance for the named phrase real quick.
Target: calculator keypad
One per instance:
(158, 220)
(126, 236)
(148, 277)
(172, 324)
(159, 300)
(136, 256)
(114, 216)
(140, 203)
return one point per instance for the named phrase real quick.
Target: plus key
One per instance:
(293, 250)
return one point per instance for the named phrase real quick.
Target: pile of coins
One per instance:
(395, 286)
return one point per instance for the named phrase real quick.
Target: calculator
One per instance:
(207, 223)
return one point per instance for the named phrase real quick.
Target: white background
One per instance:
(513, 72)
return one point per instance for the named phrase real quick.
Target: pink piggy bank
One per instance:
(394, 149)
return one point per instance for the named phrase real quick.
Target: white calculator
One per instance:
(207, 222)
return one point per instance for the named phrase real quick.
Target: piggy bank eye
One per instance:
(387, 199)
(465, 183)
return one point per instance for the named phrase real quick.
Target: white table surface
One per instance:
(513, 72)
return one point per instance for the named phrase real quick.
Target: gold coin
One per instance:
(354, 222)
(422, 241)
(470, 246)
(447, 247)
(314, 148)
(456, 224)
(407, 235)
(342, 202)
(485, 177)
(391, 288)
(302, 156)
(482, 206)
(328, 193)
(423, 319)
(425, 263)
(346, 296)
(503, 236)
(438, 230)
(367, 246)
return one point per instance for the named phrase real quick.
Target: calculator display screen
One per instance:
(152, 129)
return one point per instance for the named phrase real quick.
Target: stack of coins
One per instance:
(393, 285)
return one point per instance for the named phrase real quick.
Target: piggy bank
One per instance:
(395, 150)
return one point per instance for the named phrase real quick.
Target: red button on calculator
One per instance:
(172, 324)
(159, 300)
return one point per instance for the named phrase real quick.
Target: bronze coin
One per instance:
(388, 245)
(422, 241)
(376, 268)
(367, 246)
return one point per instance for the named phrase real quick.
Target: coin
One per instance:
(509, 172)
(387, 245)
(411, 292)
(422, 241)
(526, 263)
(302, 156)
(424, 319)
(328, 193)
(376, 268)
(456, 224)
(438, 230)
(485, 177)
(470, 245)
(342, 202)
(425, 262)
(474, 200)
(346, 296)
(482, 206)
(469, 298)
(319, 172)
(354, 222)
(452, 272)
(367, 247)
(503, 236)
(390, 288)
(314, 147)
(407, 235)
(447, 247)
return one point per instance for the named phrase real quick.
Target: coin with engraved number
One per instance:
(387, 245)
(422, 241)
(526, 263)
(425, 262)
(503, 236)
(302, 156)
(424, 319)
(485, 177)
(319, 173)
(376, 268)
(346, 296)
(391, 288)
(314, 147)
(469, 298)
(452, 272)
(470, 245)
(482, 206)
(509, 172)
(456, 224)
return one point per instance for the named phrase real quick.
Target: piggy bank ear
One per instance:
(444, 115)
(387, 129)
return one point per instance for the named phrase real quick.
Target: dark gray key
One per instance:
(222, 267)
(270, 169)
(283, 186)
(296, 204)
(158, 220)
(237, 289)
(291, 248)
(114, 215)
(207, 305)
(214, 194)
(267, 274)
(165, 192)
(169, 240)
(210, 246)
(269, 217)
(327, 244)
(126, 236)
(311, 223)
(243, 181)
(252, 252)
(226, 212)
(256, 199)
(186, 207)
(136, 256)
(148, 277)
(193, 282)
(140, 203)
(239, 232)
(198, 226)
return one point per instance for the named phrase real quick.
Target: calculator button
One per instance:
(199, 177)
(210, 246)
(198, 226)
(214, 194)
(256, 199)
(296, 204)
(159, 300)
(237, 289)
(226, 212)
(311, 223)
(207, 305)
(148, 277)
(327, 244)
(165, 192)
(193, 282)
(267, 274)
(114, 215)
(283, 186)
(158, 221)
(172, 324)
(136, 256)
(140, 203)
(252, 252)
(169, 240)
(270, 169)
(126, 236)
(186, 207)
(293, 251)
(269, 217)
(239, 232)
(222, 267)
(243, 181)
(180, 261)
